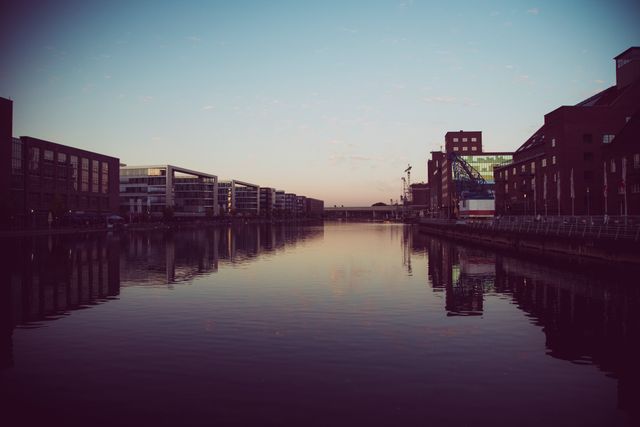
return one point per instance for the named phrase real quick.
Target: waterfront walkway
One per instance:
(609, 239)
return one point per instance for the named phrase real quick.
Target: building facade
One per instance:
(46, 183)
(560, 169)
(621, 171)
(238, 197)
(166, 191)
(314, 207)
(267, 201)
(443, 196)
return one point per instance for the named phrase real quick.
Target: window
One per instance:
(506, 174)
(74, 172)
(16, 157)
(105, 177)
(553, 160)
(506, 188)
(515, 185)
(636, 161)
(34, 159)
(465, 148)
(544, 163)
(62, 158)
(455, 148)
(588, 156)
(455, 139)
(523, 168)
(84, 177)
(533, 167)
(553, 142)
(606, 139)
(474, 139)
(95, 167)
(635, 188)
(514, 171)
(474, 148)
(48, 155)
(587, 138)
(464, 139)
(613, 166)
(622, 62)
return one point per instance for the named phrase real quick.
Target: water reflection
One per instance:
(46, 278)
(587, 314)
(165, 257)
(358, 318)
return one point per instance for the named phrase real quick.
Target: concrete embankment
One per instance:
(605, 244)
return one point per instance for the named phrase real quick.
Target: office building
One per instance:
(238, 197)
(167, 191)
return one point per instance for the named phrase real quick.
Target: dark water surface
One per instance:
(335, 324)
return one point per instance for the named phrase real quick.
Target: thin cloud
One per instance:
(208, 107)
(533, 11)
(194, 39)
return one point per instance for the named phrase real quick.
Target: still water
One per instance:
(334, 324)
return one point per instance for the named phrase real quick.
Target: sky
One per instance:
(329, 99)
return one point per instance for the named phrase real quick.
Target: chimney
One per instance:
(627, 67)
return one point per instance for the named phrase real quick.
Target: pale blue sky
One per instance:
(328, 99)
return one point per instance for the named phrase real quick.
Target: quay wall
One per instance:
(611, 246)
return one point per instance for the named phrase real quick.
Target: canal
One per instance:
(328, 324)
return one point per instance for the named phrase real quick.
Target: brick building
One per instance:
(43, 180)
(559, 170)
(621, 165)
(468, 146)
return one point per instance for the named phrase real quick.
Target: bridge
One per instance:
(364, 212)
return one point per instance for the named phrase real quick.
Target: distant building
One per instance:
(167, 190)
(267, 201)
(43, 181)
(420, 197)
(559, 170)
(238, 197)
(467, 145)
(290, 203)
(314, 207)
(301, 206)
(280, 201)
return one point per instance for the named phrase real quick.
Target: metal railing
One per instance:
(593, 227)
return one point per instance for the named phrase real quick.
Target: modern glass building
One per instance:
(155, 191)
(239, 197)
(485, 162)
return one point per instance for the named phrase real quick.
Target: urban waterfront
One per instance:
(325, 324)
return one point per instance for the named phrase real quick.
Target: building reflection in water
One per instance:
(587, 314)
(45, 278)
(165, 257)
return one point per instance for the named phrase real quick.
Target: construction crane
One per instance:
(407, 191)
(469, 187)
(403, 197)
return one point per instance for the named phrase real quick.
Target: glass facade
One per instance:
(484, 163)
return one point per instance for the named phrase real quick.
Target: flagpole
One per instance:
(544, 194)
(573, 196)
(624, 187)
(606, 204)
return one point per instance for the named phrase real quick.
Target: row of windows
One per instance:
(473, 139)
(465, 148)
(636, 163)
